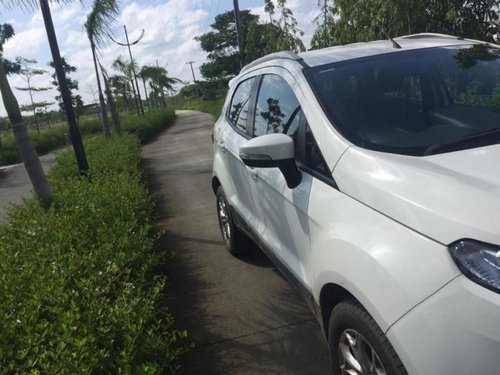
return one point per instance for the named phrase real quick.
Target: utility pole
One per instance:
(128, 44)
(194, 79)
(74, 131)
(237, 19)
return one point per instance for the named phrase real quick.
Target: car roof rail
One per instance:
(429, 35)
(287, 55)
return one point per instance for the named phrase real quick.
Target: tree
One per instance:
(221, 44)
(289, 38)
(127, 69)
(120, 87)
(143, 75)
(364, 20)
(23, 141)
(72, 85)
(323, 36)
(159, 81)
(98, 26)
(27, 72)
(111, 101)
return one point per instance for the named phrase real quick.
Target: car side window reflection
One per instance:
(238, 110)
(277, 108)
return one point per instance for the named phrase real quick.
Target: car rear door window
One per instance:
(277, 108)
(240, 104)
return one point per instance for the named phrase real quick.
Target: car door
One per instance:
(238, 177)
(282, 210)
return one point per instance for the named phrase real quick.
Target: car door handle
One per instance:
(222, 145)
(254, 172)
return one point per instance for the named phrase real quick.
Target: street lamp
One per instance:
(128, 44)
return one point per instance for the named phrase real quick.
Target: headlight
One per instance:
(479, 261)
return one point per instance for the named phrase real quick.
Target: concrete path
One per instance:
(16, 185)
(242, 317)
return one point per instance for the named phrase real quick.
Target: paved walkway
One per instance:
(15, 183)
(241, 315)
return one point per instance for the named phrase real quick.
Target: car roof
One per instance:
(357, 50)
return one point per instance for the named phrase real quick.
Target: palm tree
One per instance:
(111, 101)
(158, 81)
(144, 77)
(98, 26)
(23, 141)
(127, 69)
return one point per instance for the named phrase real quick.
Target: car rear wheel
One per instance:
(230, 233)
(358, 345)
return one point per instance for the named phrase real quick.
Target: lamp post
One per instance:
(128, 44)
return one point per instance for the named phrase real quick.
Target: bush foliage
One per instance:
(212, 107)
(145, 127)
(77, 287)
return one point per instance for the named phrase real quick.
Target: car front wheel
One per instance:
(230, 233)
(358, 345)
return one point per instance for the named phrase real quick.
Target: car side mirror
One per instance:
(272, 151)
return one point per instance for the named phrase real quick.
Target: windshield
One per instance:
(416, 102)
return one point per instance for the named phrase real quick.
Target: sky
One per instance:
(170, 27)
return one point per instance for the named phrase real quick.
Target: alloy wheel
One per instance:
(224, 221)
(357, 356)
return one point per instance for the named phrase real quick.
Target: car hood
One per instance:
(446, 197)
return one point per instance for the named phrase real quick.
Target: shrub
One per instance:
(149, 125)
(145, 127)
(212, 107)
(77, 288)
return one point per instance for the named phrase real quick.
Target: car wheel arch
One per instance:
(215, 184)
(332, 294)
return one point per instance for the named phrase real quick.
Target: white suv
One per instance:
(370, 175)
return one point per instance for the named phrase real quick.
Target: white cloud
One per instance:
(170, 27)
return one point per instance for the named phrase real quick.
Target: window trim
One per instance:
(250, 111)
(301, 139)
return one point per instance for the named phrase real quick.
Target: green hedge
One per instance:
(78, 290)
(148, 126)
(145, 127)
(212, 107)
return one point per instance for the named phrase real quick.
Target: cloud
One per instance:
(170, 27)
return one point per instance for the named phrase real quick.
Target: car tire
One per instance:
(231, 235)
(357, 343)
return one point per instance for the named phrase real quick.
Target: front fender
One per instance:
(388, 267)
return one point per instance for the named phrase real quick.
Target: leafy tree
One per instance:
(121, 89)
(127, 70)
(23, 141)
(27, 72)
(72, 85)
(98, 26)
(323, 36)
(364, 20)
(159, 81)
(289, 38)
(221, 44)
